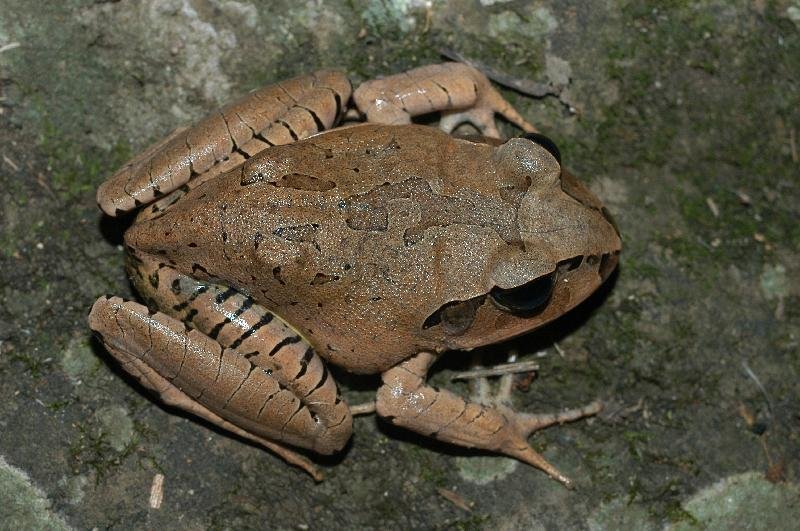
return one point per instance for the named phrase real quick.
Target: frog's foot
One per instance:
(406, 400)
(274, 115)
(459, 91)
(253, 383)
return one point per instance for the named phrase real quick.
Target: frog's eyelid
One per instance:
(546, 143)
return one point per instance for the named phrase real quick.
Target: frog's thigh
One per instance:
(277, 114)
(236, 321)
(459, 91)
(192, 371)
(406, 400)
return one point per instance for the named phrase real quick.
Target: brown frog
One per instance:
(273, 248)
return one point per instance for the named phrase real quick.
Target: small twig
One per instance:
(559, 349)
(157, 491)
(9, 46)
(744, 198)
(776, 472)
(712, 206)
(363, 409)
(760, 386)
(455, 499)
(525, 86)
(793, 144)
(497, 370)
(11, 163)
(623, 411)
(40, 180)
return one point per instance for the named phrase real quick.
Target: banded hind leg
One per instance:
(406, 400)
(239, 367)
(460, 92)
(274, 115)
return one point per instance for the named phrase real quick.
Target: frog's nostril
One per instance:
(546, 143)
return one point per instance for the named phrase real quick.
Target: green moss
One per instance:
(390, 18)
(430, 468)
(470, 523)
(78, 360)
(59, 405)
(774, 282)
(483, 470)
(102, 446)
(637, 442)
(117, 425)
(74, 169)
(677, 515)
(22, 504)
(618, 514)
(745, 501)
(34, 365)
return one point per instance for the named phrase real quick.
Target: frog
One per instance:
(310, 225)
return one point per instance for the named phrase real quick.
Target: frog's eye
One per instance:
(546, 143)
(527, 299)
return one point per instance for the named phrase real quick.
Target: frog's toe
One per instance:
(531, 422)
(524, 424)
(481, 118)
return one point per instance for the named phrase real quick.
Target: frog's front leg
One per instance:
(459, 91)
(274, 115)
(406, 400)
(241, 368)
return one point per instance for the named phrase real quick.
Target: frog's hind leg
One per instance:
(459, 91)
(131, 358)
(236, 321)
(406, 400)
(241, 367)
(277, 114)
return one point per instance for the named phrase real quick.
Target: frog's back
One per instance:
(355, 237)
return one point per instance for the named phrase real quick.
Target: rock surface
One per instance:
(684, 118)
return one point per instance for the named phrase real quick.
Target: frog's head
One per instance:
(569, 245)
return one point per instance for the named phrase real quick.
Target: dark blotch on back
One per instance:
(322, 278)
(301, 181)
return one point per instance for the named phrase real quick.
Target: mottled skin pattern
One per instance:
(381, 245)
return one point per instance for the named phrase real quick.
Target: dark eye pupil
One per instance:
(546, 143)
(527, 299)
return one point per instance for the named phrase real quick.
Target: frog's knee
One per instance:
(394, 397)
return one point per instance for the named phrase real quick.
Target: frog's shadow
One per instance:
(113, 228)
